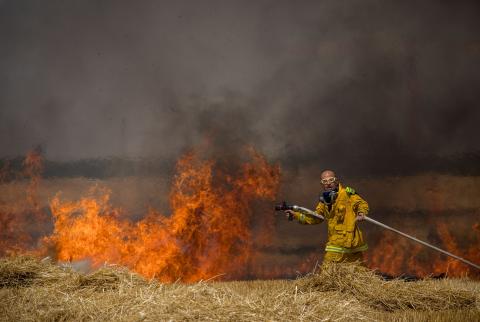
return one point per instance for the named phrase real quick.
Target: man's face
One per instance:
(329, 181)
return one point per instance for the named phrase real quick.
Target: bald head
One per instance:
(329, 180)
(326, 174)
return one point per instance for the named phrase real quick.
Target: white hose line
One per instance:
(373, 221)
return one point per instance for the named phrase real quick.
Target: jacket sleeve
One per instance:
(359, 205)
(310, 220)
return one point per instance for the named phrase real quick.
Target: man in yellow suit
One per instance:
(342, 208)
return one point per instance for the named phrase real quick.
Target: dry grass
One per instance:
(27, 271)
(371, 290)
(34, 290)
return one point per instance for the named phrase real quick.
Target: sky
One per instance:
(367, 84)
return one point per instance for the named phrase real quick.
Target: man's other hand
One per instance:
(360, 217)
(290, 214)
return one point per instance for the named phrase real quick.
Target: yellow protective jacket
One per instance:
(344, 236)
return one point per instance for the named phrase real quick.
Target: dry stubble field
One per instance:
(32, 290)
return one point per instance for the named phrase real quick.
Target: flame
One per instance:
(221, 225)
(396, 255)
(208, 233)
(19, 219)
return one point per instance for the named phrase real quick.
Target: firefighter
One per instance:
(342, 209)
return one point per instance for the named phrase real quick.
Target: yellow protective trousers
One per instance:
(342, 257)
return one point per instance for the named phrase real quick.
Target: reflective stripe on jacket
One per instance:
(337, 249)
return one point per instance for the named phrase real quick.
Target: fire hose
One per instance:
(284, 206)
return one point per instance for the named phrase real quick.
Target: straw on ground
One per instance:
(34, 290)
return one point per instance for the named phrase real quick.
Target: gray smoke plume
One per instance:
(361, 86)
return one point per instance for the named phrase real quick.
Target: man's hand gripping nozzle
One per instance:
(291, 208)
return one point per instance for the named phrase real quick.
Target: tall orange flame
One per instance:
(208, 233)
(221, 224)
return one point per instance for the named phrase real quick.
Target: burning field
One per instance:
(221, 221)
(164, 134)
(208, 232)
(95, 252)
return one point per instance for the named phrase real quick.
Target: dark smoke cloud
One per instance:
(360, 86)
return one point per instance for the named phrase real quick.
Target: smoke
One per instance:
(361, 86)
